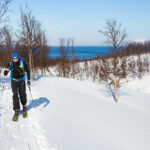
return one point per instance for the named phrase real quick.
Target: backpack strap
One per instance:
(21, 66)
(11, 69)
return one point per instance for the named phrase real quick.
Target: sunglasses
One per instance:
(15, 58)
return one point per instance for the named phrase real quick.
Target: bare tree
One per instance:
(4, 5)
(6, 43)
(29, 31)
(86, 68)
(74, 64)
(73, 60)
(63, 67)
(4, 9)
(112, 72)
(94, 70)
(7, 38)
(43, 51)
(140, 67)
(132, 66)
(147, 63)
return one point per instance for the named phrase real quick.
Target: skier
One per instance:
(17, 77)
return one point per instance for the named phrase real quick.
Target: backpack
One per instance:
(22, 68)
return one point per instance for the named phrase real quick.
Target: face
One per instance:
(15, 59)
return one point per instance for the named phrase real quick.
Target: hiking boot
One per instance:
(24, 113)
(15, 116)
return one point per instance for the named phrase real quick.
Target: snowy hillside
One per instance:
(69, 114)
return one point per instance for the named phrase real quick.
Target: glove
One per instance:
(6, 72)
(28, 83)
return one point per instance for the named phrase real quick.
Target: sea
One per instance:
(81, 52)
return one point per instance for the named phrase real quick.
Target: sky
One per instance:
(82, 19)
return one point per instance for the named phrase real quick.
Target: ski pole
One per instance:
(30, 93)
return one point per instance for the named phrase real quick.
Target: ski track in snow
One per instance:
(81, 116)
(26, 133)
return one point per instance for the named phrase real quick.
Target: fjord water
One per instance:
(82, 52)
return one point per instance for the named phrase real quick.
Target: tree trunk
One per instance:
(115, 90)
(33, 75)
(31, 64)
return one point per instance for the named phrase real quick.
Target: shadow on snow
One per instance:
(36, 103)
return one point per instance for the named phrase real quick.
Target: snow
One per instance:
(68, 114)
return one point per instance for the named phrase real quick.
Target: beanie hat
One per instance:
(15, 54)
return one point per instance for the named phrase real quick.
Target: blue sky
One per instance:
(81, 19)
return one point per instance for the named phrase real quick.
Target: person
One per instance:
(17, 77)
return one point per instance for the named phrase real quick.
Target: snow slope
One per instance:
(67, 114)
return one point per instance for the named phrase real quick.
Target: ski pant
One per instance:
(19, 91)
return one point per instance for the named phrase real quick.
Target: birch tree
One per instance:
(112, 71)
(29, 30)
